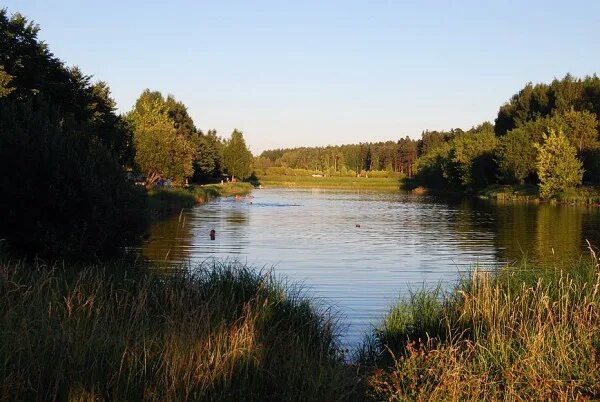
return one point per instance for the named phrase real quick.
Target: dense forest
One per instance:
(546, 134)
(68, 158)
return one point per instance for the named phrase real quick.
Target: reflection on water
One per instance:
(311, 236)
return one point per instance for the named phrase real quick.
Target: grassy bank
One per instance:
(520, 334)
(341, 183)
(225, 332)
(585, 195)
(110, 333)
(168, 201)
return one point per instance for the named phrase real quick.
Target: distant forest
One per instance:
(506, 152)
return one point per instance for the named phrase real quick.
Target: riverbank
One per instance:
(584, 195)
(335, 182)
(225, 332)
(523, 333)
(168, 201)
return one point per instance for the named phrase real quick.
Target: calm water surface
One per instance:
(403, 242)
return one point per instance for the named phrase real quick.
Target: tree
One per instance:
(237, 158)
(161, 150)
(472, 155)
(581, 128)
(64, 193)
(435, 169)
(557, 165)
(516, 155)
(542, 100)
(5, 80)
(407, 155)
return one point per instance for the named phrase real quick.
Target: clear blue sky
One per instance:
(317, 73)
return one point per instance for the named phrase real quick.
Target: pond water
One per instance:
(359, 252)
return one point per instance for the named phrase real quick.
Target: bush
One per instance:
(64, 195)
(558, 166)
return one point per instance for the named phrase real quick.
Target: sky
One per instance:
(302, 73)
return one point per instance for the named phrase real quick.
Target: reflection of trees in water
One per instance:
(558, 232)
(535, 231)
(514, 227)
(170, 239)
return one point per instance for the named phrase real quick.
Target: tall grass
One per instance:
(519, 334)
(221, 332)
(225, 332)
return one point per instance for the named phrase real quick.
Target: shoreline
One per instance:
(228, 331)
(165, 202)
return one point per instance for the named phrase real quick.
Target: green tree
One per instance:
(5, 80)
(237, 158)
(162, 151)
(558, 166)
(472, 153)
(435, 169)
(64, 195)
(29, 71)
(542, 100)
(516, 155)
(580, 127)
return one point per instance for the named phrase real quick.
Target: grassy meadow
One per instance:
(335, 182)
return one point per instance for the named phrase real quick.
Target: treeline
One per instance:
(352, 159)
(167, 144)
(546, 135)
(65, 153)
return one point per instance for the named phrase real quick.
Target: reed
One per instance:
(522, 333)
(218, 332)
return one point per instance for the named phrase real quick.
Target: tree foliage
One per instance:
(237, 158)
(465, 160)
(541, 100)
(64, 191)
(558, 166)
(517, 154)
(162, 140)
